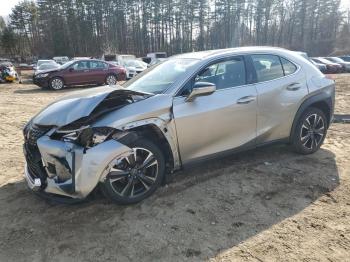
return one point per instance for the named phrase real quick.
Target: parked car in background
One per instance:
(61, 59)
(80, 72)
(147, 60)
(331, 66)
(345, 65)
(191, 108)
(46, 66)
(40, 62)
(133, 67)
(345, 58)
(24, 66)
(155, 56)
(157, 61)
(117, 58)
(321, 67)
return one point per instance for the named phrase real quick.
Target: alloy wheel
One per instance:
(134, 175)
(111, 80)
(312, 131)
(57, 84)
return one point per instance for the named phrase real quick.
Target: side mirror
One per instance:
(71, 69)
(201, 89)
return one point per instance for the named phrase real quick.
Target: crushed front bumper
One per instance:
(71, 170)
(41, 82)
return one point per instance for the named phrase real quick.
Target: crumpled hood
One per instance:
(81, 104)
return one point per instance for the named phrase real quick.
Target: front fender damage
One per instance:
(74, 171)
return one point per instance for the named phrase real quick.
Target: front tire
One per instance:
(310, 131)
(56, 83)
(135, 177)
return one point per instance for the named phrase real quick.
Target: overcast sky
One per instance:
(6, 6)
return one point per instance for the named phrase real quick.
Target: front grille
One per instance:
(34, 133)
(32, 153)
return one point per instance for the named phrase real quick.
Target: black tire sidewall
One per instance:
(147, 144)
(50, 81)
(296, 142)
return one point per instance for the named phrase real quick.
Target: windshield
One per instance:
(160, 77)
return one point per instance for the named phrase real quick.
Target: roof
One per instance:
(209, 53)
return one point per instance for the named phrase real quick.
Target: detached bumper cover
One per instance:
(80, 169)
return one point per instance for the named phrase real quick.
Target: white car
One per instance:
(41, 62)
(61, 59)
(133, 67)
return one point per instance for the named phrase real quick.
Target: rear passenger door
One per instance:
(281, 86)
(98, 71)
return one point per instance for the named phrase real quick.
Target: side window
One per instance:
(207, 73)
(225, 74)
(288, 67)
(81, 65)
(267, 67)
(97, 65)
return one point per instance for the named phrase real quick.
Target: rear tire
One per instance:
(310, 131)
(111, 80)
(136, 177)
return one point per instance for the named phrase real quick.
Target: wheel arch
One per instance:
(162, 133)
(320, 101)
(111, 74)
(153, 133)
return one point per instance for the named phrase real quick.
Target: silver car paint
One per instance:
(193, 129)
(89, 165)
(278, 102)
(205, 127)
(155, 110)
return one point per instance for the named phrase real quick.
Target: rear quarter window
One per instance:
(267, 67)
(288, 67)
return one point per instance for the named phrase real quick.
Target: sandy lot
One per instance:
(263, 205)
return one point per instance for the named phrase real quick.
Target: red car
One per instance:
(331, 66)
(80, 72)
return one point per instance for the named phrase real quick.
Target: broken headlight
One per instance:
(42, 75)
(89, 136)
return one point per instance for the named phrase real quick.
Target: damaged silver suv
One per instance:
(187, 109)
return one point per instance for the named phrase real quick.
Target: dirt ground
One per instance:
(263, 205)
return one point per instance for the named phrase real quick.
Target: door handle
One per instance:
(294, 87)
(246, 100)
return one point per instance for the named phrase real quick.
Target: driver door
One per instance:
(78, 73)
(221, 121)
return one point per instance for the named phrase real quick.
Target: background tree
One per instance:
(92, 27)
